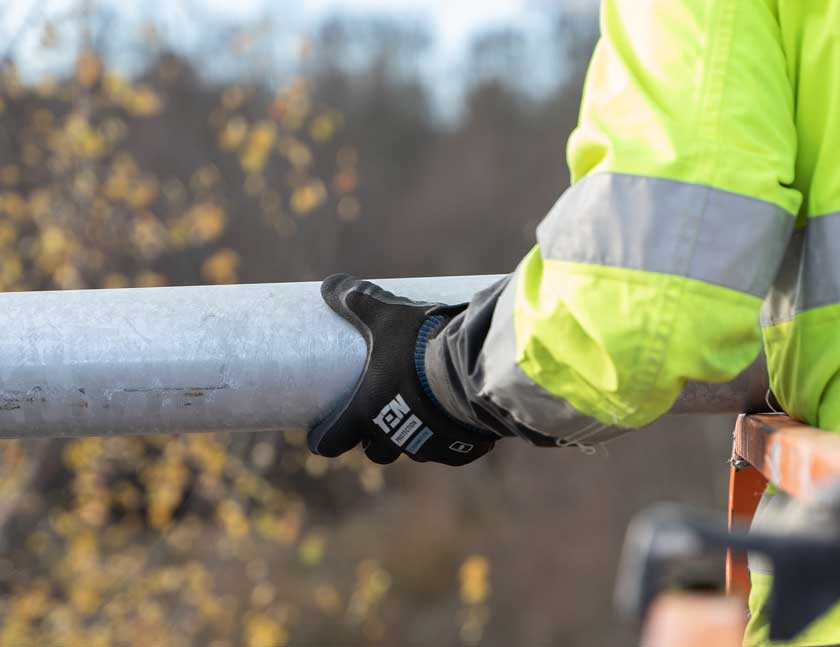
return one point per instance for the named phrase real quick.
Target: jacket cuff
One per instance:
(438, 370)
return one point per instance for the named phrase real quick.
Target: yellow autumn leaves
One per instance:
(262, 630)
(131, 566)
(278, 136)
(108, 586)
(83, 203)
(221, 267)
(308, 196)
(174, 541)
(258, 145)
(474, 575)
(138, 545)
(254, 145)
(139, 100)
(233, 133)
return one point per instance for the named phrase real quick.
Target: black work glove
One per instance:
(390, 411)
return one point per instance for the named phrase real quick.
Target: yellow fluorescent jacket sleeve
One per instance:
(706, 177)
(651, 269)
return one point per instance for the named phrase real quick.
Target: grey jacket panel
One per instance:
(472, 371)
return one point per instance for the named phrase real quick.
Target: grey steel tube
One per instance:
(169, 360)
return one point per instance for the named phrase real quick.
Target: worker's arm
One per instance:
(650, 270)
(647, 273)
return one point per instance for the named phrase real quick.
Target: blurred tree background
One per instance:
(223, 162)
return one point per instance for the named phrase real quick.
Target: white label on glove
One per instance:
(404, 433)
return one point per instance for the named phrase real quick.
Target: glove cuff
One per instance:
(428, 331)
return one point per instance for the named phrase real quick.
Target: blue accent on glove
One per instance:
(429, 327)
(428, 330)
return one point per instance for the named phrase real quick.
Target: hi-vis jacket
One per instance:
(704, 215)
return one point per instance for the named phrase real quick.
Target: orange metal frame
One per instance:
(796, 458)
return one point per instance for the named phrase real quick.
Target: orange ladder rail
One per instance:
(796, 458)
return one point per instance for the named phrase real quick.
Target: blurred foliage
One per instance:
(175, 541)
(142, 541)
(85, 202)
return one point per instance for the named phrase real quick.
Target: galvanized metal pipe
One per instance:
(166, 360)
(169, 360)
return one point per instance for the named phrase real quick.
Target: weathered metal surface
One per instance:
(746, 485)
(239, 357)
(795, 457)
(170, 360)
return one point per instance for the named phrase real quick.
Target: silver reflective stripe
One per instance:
(810, 273)
(509, 388)
(670, 227)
